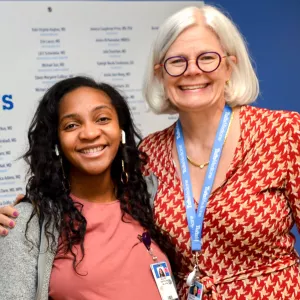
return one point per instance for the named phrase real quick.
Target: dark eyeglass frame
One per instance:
(187, 62)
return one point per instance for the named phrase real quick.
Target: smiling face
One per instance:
(194, 89)
(89, 131)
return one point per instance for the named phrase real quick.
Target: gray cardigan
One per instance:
(25, 271)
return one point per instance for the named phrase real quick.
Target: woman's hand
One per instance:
(7, 214)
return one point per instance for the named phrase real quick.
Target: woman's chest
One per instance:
(252, 201)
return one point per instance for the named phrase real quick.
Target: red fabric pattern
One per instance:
(248, 250)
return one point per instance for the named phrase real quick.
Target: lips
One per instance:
(193, 87)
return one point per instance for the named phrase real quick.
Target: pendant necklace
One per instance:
(201, 166)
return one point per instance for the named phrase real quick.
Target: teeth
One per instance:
(194, 87)
(92, 150)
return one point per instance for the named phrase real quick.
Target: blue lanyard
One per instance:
(195, 222)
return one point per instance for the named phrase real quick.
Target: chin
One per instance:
(93, 170)
(192, 106)
(98, 171)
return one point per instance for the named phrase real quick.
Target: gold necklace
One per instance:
(201, 166)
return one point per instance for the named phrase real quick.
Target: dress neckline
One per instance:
(233, 165)
(85, 202)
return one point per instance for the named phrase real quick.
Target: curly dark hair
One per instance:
(48, 190)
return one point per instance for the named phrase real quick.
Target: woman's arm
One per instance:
(19, 257)
(293, 183)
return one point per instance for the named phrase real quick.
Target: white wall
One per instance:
(45, 41)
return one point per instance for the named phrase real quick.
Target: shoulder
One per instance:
(282, 116)
(155, 139)
(273, 119)
(272, 131)
(156, 146)
(19, 256)
(25, 211)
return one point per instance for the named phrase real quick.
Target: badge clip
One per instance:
(193, 276)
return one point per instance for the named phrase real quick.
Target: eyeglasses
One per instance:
(207, 62)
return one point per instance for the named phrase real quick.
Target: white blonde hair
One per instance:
(243, 87)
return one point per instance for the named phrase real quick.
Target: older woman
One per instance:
(237, 165)
(228, 173)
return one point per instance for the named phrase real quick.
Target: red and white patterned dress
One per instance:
(248, 250)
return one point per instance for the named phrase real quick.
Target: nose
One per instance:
(89, 131)
(192, 68)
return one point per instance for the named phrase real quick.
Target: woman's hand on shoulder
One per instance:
(7, 214)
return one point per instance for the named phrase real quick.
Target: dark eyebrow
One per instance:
(102, 107)
(74, 116)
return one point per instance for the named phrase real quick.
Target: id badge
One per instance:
(164, 282)
(195, 291)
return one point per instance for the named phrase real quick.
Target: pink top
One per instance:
(116, 264)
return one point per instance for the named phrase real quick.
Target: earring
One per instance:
(124, 175)
(227, 81)
(123, 137)
(56, 150)
(65, 182)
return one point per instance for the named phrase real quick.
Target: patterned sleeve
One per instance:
(143, 147)
(293, 184)
(150, 178)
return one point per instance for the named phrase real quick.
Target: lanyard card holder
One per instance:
(163, 280)
(195, 291)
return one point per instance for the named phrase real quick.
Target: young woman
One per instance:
(86, 206)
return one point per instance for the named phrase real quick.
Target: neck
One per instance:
(200, 128)
(93, 188)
